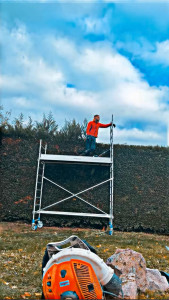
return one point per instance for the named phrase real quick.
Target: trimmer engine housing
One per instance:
(76, 272)
(75, 276)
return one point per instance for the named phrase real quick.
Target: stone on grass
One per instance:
(129, 261)
(129, 286)
(156, 282)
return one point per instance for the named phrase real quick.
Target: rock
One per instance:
(129, 286)
(156, 282)
(129, 261)
(116, 271)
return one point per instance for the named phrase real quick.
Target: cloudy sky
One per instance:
(86, 57)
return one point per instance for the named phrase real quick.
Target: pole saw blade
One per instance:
(103, 153)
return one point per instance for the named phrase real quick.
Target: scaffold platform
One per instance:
(75, 159)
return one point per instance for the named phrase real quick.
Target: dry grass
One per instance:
(22, 250)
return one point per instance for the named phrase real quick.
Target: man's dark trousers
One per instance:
(90, 145)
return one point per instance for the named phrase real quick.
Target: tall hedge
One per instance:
(141, 185)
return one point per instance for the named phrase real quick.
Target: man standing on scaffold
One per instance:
(92, 133)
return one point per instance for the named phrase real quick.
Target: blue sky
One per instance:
(82, 58)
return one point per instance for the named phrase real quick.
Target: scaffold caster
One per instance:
(110, 229)
(34, 226)
(40, 224)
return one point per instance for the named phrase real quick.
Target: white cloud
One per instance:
(22, 102)
(120, 87)
(160, 55)
(107, 62)
(104, 81)
(97, 25)
(133, 136)
(135, 1)
(35, 1)
(34, 74)
(153, 53)
(136, 134)
(10, 83)
(63, 47)
(152, 1)
(40, 73)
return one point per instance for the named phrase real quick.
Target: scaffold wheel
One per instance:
(34, 226)
(40, 224)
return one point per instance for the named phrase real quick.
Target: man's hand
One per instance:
(114, 125)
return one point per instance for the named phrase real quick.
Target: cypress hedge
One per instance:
(141, 185)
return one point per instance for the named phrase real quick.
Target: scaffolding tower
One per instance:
(44, 158)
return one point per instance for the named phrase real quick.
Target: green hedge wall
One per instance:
(141, 185)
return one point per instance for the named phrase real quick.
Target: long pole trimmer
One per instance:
(102, 154)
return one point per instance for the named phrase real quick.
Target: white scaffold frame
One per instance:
(44, 158)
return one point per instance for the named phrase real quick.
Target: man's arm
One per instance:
(106, 125)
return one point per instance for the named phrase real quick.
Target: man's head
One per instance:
(96, 118)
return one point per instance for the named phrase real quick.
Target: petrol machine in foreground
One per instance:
(77, 272)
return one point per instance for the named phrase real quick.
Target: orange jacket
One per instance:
(93, 127)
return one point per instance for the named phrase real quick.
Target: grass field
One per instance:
(22, 250)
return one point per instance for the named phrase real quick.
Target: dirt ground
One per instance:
(22, 251)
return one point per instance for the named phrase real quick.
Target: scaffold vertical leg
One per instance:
(36, 223)
(34, 226)
(111, 227)
(40, 223)
(111, 180)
